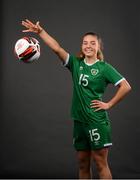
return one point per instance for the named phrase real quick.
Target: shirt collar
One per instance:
(90, 64)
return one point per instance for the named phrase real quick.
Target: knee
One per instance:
(101, 164)
(84, 164)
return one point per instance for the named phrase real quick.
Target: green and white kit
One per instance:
(89, 83)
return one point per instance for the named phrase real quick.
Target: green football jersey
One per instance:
(89, 83)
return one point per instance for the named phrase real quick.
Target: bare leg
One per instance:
(100, 157)
(84, 160)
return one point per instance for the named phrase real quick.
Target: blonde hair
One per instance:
(100, 55)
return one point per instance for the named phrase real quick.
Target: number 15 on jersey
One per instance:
(83, 79)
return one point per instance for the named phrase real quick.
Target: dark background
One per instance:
(35, 125)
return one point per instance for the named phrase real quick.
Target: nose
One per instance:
(88, 45)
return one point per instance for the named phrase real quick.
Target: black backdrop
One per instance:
(35, 125)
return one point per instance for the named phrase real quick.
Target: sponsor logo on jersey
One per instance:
(81, 67)
(94, 72)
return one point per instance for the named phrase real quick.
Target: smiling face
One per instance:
(90, 46)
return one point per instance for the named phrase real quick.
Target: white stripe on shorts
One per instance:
(107, 144)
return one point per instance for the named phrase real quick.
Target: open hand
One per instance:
(31, 27)
(99, 105)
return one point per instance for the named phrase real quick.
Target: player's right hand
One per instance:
(31, 27)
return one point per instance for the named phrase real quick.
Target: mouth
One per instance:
(88, 51)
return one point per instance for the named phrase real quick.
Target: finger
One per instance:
(95, 101)
(37, 23)
(95, 106)
(26, 24)
(28, 21)
(27, 30)
(97, 109)
(23, 22)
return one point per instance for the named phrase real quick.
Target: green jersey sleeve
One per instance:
(112, 75)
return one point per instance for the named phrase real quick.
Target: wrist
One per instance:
(40, 31)
(110, 105)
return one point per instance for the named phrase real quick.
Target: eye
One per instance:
(84, 43)
(93, 43)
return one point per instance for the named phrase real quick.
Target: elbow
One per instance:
(127, 87)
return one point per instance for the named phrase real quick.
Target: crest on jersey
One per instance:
(94, 72)
(81, 67)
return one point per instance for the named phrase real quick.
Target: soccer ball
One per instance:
(27, 49)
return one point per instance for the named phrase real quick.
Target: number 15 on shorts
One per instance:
(94, 135)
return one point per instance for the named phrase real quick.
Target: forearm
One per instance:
(53, 44)
(50, 41)
(124, 88)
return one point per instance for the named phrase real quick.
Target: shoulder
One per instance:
(105, 64)
(102, 64)
(75, 57)
(72, 61)
(105, 67)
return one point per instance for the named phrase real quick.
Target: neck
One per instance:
(90, 60)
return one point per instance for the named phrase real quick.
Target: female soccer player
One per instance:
(91, 75)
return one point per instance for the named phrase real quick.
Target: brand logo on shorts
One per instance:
(94, 72)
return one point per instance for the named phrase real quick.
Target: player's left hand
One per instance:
(99, 105)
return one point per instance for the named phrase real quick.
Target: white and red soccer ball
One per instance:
(27, 49)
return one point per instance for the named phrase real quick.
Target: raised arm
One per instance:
(49, 40)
